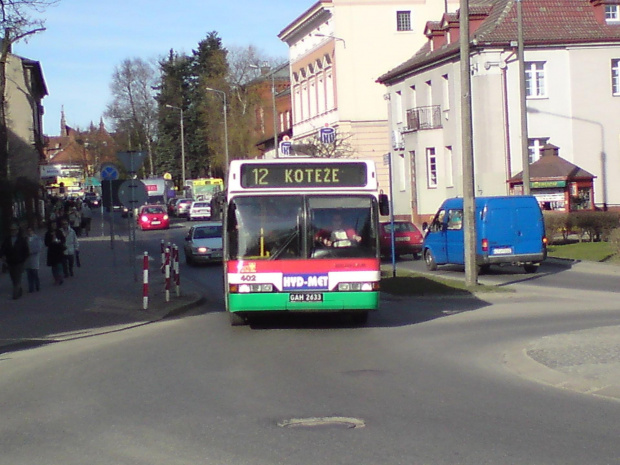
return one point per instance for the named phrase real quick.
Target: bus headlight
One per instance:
(358, 287)
(250, 288)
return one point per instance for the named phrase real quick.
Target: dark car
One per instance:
(407, 239)
(92, 199)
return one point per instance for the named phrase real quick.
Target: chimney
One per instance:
(550, 150)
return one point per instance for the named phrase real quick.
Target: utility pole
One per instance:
(525, 153)
(469, 199)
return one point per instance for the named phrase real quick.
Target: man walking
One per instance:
(14, 250)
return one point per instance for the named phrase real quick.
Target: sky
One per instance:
(86, 39)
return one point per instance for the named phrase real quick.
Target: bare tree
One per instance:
(133, 109)
(312, 146)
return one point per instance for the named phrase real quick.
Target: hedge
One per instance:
(593, 225)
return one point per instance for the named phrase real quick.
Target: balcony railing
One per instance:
(424, 118)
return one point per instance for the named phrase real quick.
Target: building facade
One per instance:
(337, 49)
(572, 80)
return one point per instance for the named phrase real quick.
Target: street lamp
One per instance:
(182, 147)
(267, 67)
(225, 124)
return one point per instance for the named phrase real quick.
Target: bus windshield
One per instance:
(301, 226)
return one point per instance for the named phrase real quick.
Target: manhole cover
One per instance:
(333, 422)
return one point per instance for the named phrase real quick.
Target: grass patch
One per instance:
(585, 251)
(408, 283)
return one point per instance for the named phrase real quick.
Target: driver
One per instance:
(338, 235)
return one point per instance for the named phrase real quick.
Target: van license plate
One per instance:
(502, 251)
(299, 297)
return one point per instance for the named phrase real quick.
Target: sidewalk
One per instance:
(104, 295)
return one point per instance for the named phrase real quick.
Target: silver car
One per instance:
(203, 243)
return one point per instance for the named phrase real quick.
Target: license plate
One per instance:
(502, 250)
(156, 222)
(401, 239)
(299, 297)
(216, 255)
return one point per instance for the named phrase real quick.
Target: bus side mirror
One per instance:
(384, 204)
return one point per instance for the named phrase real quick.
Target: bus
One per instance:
(279, 255)
(203, 188)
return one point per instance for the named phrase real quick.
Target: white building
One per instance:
(337, 49)
(572, 75)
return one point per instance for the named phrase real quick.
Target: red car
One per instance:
(153, 217)
(407, 239)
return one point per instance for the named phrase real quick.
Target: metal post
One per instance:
(275, 115)
(225, 126)
(392, 243)
(167, 275)
(145, 281)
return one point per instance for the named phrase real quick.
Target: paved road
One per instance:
(104, 296)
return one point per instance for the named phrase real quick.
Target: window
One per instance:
(431, 167)
(449, 175)
(535, 79)
(615, 77)
(399, 107)
(403, 20)
(455, 220)
(612, 13)
(535, 147)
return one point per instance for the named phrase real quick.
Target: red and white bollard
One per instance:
(167, 274)
(145, 281)
(163, 255)
(177, 274)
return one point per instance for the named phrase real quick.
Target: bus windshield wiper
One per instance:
(276, 254)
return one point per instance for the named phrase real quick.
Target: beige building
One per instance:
(25, 88)
(337, 50)
(572, 79)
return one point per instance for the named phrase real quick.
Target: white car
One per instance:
(199, 211)
(203, 243)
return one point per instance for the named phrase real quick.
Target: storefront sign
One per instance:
(547, 184)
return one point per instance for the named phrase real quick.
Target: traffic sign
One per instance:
(132, 193)
(109, 172)
(132, 161)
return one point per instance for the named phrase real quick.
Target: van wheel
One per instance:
(530, 268)
(431, 264)
(483, 269)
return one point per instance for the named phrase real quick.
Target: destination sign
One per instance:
(296, 175)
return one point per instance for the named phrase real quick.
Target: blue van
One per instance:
(509, 230)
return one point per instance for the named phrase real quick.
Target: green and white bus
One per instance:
(283, 248)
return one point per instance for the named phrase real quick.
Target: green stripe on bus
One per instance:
(332, 301)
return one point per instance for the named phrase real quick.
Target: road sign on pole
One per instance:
(132, 193)
(132, 161)
(109, 172)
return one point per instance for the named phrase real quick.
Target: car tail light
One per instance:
(485, 245)
(545, 241)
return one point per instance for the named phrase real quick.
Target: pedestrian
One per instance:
(14, 251)
(75, 220)
(87, 216)
(72, 247)
(32, 263)
(55, 242)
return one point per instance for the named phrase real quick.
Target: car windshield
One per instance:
(153, 210)
(399, 227)
(208, 232)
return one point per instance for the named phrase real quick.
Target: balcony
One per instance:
(424, 118)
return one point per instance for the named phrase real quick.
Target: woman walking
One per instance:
(55, 242)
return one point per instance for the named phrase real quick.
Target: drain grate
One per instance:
(333, 422)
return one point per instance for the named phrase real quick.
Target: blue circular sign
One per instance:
(109, 172)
